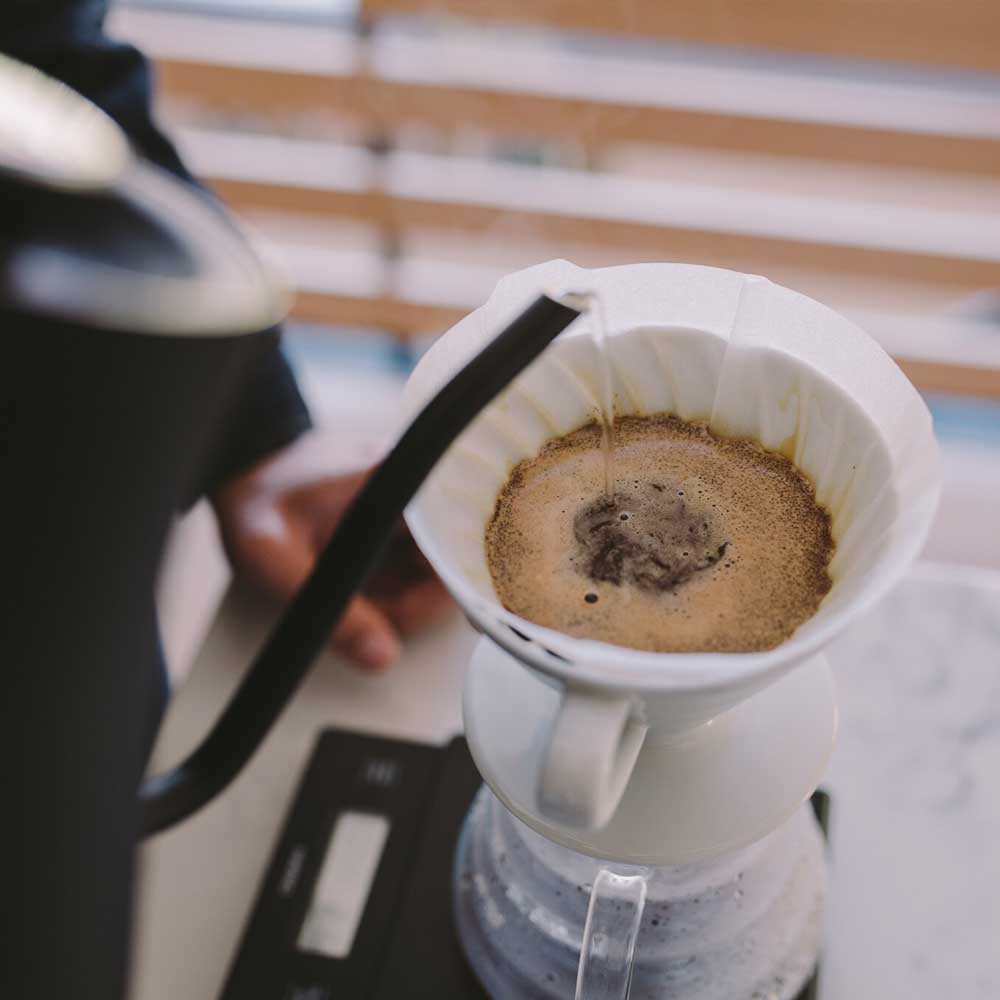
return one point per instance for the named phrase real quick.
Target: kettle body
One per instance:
(132, 312)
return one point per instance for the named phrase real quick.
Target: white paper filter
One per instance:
(754, 359)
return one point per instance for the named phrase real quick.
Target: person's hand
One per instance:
(275, 519)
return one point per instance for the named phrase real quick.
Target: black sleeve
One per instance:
(266, 413)
(66, 39)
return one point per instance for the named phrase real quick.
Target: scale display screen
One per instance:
(343, 884)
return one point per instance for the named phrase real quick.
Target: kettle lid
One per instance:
(95, 235)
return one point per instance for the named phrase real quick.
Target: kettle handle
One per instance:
(609, 936)
(302, 631)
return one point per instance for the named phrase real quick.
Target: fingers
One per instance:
(277, 558)
(367, 636)
(273, 535)
(277, 562)
(417, 605)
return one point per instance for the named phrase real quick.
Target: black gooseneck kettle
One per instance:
(105, 258)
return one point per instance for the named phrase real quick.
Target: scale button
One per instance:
(383, 772)
(293, 869)
(306, 993)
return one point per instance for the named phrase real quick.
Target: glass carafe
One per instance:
(537, 920)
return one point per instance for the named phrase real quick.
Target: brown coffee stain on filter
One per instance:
(708, 544)
(795, 402)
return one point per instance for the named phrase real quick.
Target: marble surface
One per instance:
(915, 907)
(915, 896)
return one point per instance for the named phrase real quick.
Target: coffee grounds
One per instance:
(647, 535)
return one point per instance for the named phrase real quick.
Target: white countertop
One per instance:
(915, 905)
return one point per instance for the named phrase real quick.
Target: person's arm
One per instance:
(267, 415)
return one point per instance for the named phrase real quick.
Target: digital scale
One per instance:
(356, 901)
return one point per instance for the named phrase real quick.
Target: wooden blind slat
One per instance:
(407, 318)
(388, 103)
(733, 250)
(959, 33)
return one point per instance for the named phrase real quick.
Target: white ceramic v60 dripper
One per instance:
(663, 758)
